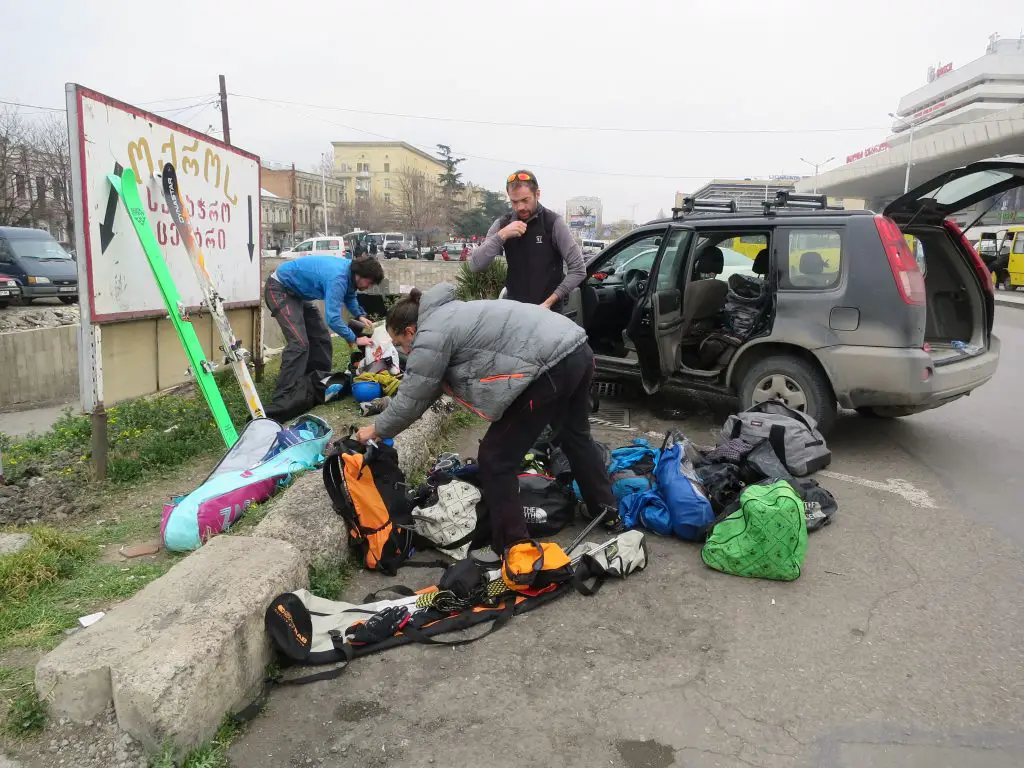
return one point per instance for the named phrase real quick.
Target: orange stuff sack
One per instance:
(529, 566)
(367, 488)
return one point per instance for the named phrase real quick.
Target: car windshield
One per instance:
(627, 255)
(643, 260)
(39, 248)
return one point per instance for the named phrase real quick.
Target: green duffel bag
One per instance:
(766, 538)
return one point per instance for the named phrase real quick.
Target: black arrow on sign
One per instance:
(251, 243)
(107, 225)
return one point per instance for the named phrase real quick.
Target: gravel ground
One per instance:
(44, 313)
(96, 744)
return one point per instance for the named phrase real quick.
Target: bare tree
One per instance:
(54, 160)
(17, 203)
(419, 206)
(35, 173)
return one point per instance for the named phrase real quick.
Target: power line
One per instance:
(504, 161)
(141, 103)
(547, 126)
(32, 106)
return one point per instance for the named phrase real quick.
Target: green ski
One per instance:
(127, 189)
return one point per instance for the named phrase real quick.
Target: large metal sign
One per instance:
(221, 187)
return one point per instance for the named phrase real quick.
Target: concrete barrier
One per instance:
(39, 365)
(191, 646)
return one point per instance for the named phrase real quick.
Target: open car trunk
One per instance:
(960, 300)
(957, 320)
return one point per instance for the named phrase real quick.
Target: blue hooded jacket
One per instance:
(328, 279)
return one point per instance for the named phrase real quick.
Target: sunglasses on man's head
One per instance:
(520, 176)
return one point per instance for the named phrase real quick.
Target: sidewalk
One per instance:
(1010, 299)
(40, 419)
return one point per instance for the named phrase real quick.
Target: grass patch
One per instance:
(22, 712)
(329, 576)
(213, 754)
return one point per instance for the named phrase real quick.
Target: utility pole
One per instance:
(816, 166)
(224, 110)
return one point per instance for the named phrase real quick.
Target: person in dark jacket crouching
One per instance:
(520, 367)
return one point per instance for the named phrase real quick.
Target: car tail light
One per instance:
(600, 275)
(979, 266)
(909, 280)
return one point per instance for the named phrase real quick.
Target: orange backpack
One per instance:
(367, 488)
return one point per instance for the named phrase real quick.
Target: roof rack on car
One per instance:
(704, 205)
(787, 199)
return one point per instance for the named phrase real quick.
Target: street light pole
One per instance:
(910, 149)
(816, 166)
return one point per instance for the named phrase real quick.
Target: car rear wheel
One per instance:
(795, 382)
(68, 299)
(4, 304)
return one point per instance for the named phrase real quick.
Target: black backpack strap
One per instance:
(777, 440)
(503, 618)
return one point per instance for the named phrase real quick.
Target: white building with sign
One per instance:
(961, 114)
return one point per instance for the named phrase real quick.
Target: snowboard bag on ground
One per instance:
(367, 488)
(793, 435)
(308, 630)
(264, 458)
(765, 538)
(548, 505)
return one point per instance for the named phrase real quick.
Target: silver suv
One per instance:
(889, 314)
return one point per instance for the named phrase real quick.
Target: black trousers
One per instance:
(307, 340)
(561, 397)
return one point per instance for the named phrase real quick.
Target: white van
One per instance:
(590, 247)
(323, 245)
(383, 238)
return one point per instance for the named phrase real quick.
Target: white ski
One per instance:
(234, 354)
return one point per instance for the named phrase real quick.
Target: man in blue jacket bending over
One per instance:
(290, 293)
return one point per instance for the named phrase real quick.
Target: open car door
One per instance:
(656, 325)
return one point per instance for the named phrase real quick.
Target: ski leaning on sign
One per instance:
(234, 354)
(126, 186)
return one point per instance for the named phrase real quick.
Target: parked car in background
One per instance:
(40, 266)
(395, 249)
(329, 246)
(9, 291)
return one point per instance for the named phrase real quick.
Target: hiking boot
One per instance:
(375, 406)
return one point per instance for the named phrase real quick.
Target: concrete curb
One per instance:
(190, 647)
(1010, 301)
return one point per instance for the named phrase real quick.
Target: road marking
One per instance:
(913, 495)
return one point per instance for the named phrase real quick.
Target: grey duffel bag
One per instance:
(793, 435)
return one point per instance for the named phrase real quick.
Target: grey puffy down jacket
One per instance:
(483, 353)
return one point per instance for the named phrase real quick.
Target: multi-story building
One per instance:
(275, 220)
(373, 169)
(584, 214)
(35, 192)
(304, 193)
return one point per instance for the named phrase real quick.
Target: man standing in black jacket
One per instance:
(544, 262)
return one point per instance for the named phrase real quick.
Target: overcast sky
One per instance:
(806, 79)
